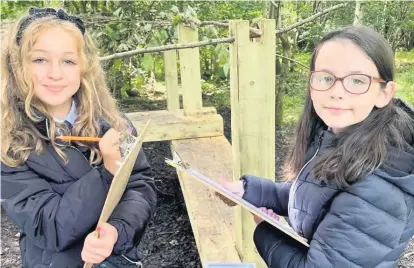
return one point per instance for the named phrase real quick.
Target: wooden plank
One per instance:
(190, 70)
(253, 128)
(171, 80)
(167, 125)
(211, 220)
(234, 30)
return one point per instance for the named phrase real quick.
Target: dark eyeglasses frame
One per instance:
(371, 78)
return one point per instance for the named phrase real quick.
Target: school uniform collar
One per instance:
(71, 116)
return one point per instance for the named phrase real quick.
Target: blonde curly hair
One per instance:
(94, 102)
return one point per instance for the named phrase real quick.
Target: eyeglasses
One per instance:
(353, 83)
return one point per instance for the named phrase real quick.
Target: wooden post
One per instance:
(252, 83)
(171, 80)
(190, 71)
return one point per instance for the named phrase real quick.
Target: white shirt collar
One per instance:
(71, 116)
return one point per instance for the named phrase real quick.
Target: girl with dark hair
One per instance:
(350, 176)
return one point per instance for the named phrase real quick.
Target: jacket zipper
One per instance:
(292, 190)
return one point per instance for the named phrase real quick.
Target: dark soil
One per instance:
(169, 241)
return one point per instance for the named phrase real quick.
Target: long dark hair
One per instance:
(361, 148)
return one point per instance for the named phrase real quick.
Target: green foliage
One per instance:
(303, 57)
(119, 26)
(14, 9)
(405, 77)
(394, 20)
(147, 62)
(294, 98)
(216, 95)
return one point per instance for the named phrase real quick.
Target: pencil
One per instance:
(78, 138)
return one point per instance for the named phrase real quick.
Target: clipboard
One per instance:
(130, 148)
(213, 185)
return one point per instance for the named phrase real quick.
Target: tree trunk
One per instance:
(286, 47)
(94, 5)
(75, 5)
(384, 15)
(358, 13)
(273, 12)
(282, 83)
(315, 7)
(409, 41)
(293, 49)
(84, 6)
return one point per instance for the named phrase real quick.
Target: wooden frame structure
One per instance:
(222, 233)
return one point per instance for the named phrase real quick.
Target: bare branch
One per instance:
(167, 47)
(309, 19)
(273, 3)
(215, 23)
(182, 46)
(253, 31)
(292, 60)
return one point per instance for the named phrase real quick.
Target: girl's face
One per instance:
(55, 70)
(337, 107)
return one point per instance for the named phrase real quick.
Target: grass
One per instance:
(216, 96)
(294, 99)
(405, 76)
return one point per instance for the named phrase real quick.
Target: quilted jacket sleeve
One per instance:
(360, 230)
(266, 193)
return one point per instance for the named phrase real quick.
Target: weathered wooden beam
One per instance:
(171, 80)
(211, 220)
(252, 86)
(167, 125)
(190, 70)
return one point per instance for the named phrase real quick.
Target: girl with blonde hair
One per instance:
(52, 84)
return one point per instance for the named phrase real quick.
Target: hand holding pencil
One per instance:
(108, 145)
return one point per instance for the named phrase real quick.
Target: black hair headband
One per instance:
(36, 13)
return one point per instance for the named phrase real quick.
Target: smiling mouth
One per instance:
(336, 109)
(54, 88)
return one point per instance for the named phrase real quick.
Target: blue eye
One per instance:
(357, 81)
(69, 62)
(325, 79)
(39, 60)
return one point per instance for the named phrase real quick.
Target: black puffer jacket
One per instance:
(57, 205)
(368, 225)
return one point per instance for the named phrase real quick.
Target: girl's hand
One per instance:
(234, 187)
(109, 147)
(96, 250)
(269, 212)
